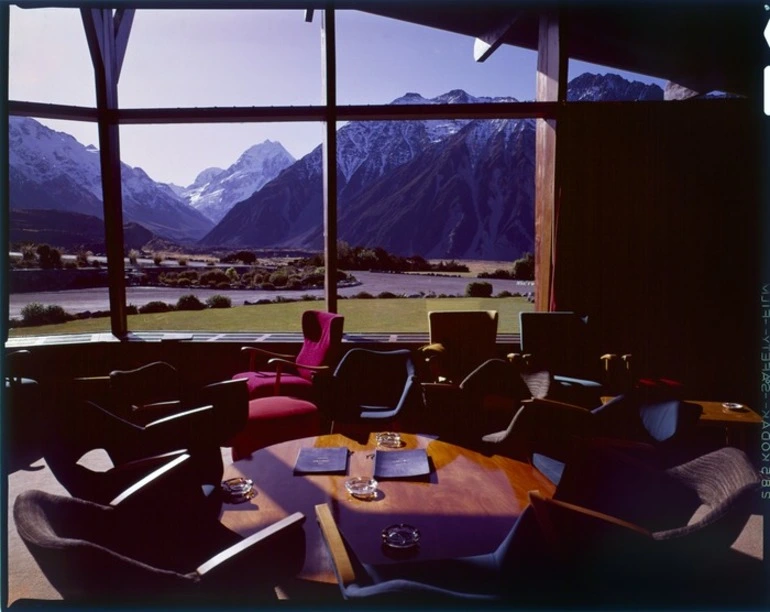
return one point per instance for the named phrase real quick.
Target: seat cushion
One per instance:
(275, 419)
(262, 384)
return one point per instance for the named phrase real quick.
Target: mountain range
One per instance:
(458, 188)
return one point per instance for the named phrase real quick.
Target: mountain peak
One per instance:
(410, 97)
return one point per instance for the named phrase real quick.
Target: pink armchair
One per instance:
(292, 375)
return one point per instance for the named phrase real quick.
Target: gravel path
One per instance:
(82, 300)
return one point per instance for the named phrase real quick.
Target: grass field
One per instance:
(376, 315)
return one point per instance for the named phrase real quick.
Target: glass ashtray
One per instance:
(388, 439)
(733, 407)
(401, 536)
(238, 490)
(362, 487)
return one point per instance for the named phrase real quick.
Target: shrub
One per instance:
(386, 295)
(33, 314)
(279, 278)
(189, 302)
(294, 283)
(267, 286)
(479, 289)
(182, 261)
(504, 294)
(524, 268)
(70, 265)
(131, 309)
(133, 256)
(47, 257)
(36, 313)
(154, 307)
(214, 277)
(156, 259)
(183, 282)
(219, 301)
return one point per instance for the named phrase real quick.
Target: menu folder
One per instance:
(401, 463)
(327, 460)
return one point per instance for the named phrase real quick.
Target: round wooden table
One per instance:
(465, 507)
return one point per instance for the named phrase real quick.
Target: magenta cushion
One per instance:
(262, 384)
(275, 419)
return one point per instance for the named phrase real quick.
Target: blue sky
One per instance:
(245, 58)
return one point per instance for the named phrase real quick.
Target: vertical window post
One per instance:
(101, 32)
(329, 71)
(5, 198)
(551, 86)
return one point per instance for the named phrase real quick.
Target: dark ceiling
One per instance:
(704, 46)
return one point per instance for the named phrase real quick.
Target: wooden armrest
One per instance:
(171, 461)
(281, 361)
(179, 416)
(549, 403)
(254, 351)
(343, 567)
(544, 518)
(262, 536)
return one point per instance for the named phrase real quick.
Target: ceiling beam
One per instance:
(486, 44)
(124, 18)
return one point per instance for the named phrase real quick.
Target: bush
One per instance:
(363, 295)
(131, 309)
(154, 307)
(479, 289)
(386, 295)
(189, 302)
(505, 294)
(279, 278)
(36, 313)
(219, 301)
(33, 314)
(524, 268)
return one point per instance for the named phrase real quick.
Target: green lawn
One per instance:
(376, 315)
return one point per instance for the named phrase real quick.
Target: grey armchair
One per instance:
(121, 553)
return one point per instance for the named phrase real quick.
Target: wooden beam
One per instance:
(329, 62)
(550, 87)
(486, 44)
(100, 31)
(124, 18)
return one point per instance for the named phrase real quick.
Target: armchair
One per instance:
(460, 340)
(133, 448)
(562, 343)
(517, 571)
(293, 374)
(655, 534)
(22, 410)
(119, 553)
(548, 433)
(373, 387)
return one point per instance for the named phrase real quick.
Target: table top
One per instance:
(716, 412)
(465, 507)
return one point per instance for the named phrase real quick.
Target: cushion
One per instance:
(275, 419)
(262, 384)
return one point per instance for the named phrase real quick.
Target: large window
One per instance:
(230, 212)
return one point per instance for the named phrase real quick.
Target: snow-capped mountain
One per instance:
(610, 87)
(215, 191)
(52, 170)
(455, 188)
(458, 188)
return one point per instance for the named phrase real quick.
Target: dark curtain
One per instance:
(657, 237)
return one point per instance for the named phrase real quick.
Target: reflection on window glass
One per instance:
(381, 60)
(49, 60)
(58, 278)
(179, 58)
